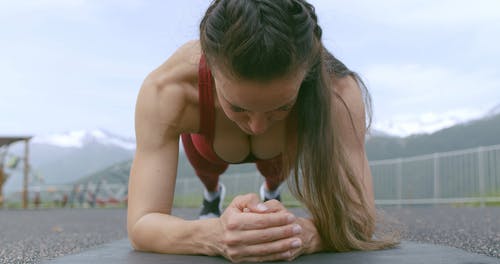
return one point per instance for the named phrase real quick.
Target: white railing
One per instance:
(465, 176)
(90, 194)
(471, 175)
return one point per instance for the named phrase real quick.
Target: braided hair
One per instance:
(265, 39)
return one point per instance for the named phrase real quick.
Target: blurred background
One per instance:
(71, 70)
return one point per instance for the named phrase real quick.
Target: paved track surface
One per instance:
(34, 235)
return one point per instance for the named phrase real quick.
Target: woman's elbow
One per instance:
(135, 236)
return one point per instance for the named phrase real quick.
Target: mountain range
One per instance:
(482, 132)
(80, 156)
(429, 122)
(66, 157)
(476, 133)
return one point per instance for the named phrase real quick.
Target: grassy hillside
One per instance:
(59, 165)
(119, 173)
(483, 132)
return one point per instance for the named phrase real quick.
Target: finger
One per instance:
(273, 257)
(244, 202)
(258, 208)
(275, 205)
(271, 248)
(270, 206)
(260, 236)
(294, 253)
(250, 221)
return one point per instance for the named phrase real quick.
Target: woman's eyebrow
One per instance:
(285, 105)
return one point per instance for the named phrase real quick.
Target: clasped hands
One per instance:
(251, 231)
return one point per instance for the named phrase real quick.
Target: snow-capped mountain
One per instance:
(427, 123)
(493, 111)
(376, 133)
(65, 157)
(466, 135)
(80, 138)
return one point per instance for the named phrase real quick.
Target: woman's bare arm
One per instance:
(350, 112)
(159, 115)
(163, 112)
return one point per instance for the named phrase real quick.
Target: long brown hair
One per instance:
(266, 39)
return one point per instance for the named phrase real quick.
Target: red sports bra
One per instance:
(203, 141)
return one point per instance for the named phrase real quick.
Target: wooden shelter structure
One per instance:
(4, 143)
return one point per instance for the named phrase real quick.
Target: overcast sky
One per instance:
(71, 65)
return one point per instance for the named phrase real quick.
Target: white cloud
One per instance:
(419, 13)
(99, 47)
(422, 99)
(428, 122)
(79, 64)
(80, 138)
(78, 10)
(35, 5)
(87, 11)
(414, 85)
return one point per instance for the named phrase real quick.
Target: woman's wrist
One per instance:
(310, 236)
(209, 231)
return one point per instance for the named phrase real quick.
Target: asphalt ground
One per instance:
(34, 235)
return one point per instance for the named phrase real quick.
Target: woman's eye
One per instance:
(285, 108)
(237, 109)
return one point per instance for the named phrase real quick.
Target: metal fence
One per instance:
(188, 191)
(465, 176)
(471, 175)
(90, 194)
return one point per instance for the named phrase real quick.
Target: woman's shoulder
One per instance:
(181, 68)
(349, 105)
(169, 94)
(346, 88)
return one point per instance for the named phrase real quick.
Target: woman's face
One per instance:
(256, 106)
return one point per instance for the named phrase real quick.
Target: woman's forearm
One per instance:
(163, 233)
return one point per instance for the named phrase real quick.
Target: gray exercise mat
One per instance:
(408, 253)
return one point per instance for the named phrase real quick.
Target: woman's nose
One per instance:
(258, 123)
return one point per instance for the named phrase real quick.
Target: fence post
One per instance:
(257, 180)
(480, 166)
(436, 178)
(184, 193)
(399, 175)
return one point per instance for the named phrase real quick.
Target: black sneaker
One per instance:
(276, 198)
(213, 209)
(263, 196)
